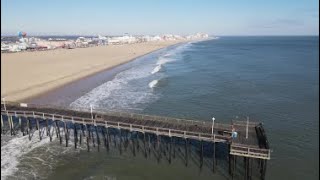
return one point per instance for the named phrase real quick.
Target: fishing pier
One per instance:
(135, 131)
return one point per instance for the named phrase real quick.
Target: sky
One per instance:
(116, 17)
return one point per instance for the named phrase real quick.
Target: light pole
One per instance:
(247, 127)
(91, 111)
(212, 124)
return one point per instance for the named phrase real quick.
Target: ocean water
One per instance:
(273, 80)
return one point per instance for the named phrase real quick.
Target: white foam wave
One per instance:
(127, 90)
(12, 150)
(112, 88)
(156, 69)
(163, 61)
(167, 55)
(153, 83)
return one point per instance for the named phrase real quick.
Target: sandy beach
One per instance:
(28, 74)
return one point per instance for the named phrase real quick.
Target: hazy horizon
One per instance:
(220, 18)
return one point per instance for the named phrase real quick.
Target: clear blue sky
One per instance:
(215, 17)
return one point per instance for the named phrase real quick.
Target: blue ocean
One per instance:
(272, 79)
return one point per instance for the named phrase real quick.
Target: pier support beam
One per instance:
(21, 126)
(58, 130)
(170, 149)
(201, 154)
(88, 145)
(50, 134)
(144, 145)
(80, 136)
(88, 137)
(126, 141)
(11, 125)
(92, 137)
(263, 169)
(108, 139)
(98, 139)
(230, 160)
(186, 152)
(133, 145)
(104, 137)
(47, 128)
(66, 133)
(75, 135)
(137, 140)
(120, 141)
(56, 127)
(158, 149)
(214, 157)
(233, 166)
(29, 129)
(149, 144)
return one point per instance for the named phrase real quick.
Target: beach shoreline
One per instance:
(29, 92)
(75, 89)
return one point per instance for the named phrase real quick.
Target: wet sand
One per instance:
(29, 74)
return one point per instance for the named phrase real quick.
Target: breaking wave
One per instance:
(156, 69)
(153, 83)
(131, 89)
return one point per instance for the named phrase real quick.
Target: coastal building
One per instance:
(33, 43)
(126, 39)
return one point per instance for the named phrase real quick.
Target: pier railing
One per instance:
(121, 125)
(106, 119)
(249, 151)
(97, 111)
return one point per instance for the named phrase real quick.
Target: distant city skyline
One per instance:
(215, 17)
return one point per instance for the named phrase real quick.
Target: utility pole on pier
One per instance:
(247, 127)
(212, 125)
(91, 111)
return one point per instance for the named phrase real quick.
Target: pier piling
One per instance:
(75, 134)
(164, 133)
(186, 151)
(201, 154)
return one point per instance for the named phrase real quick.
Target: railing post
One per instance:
(169, 132)
(118, 125)
(130, 127)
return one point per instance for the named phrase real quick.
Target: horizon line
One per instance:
(210, 35)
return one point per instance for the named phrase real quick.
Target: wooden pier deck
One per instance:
(251, 141)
